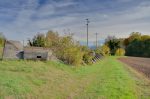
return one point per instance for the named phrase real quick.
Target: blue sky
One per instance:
(21, 19)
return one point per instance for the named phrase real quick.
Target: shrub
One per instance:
(120, 52)
(68, 50)
(73, 56)
(87, 57)
(105, 50)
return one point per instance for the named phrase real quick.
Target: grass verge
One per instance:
(107, 79)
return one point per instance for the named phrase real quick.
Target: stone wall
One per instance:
(36, 53)
(11, 52)
(36, 56)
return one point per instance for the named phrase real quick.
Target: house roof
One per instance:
(16, 44)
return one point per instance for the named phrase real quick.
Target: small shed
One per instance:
(13, 50)
(37, 53)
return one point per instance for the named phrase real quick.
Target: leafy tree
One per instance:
(37, 41)
(113, 44)
(52, 39)
(2, 39)
(146, 49)
(137, 45)
(138, 48)
(145, 37)
(133, 36)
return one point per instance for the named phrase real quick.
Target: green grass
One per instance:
(107, 79)
(1, 51)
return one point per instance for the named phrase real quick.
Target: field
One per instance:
(142, 65)
(107, 79)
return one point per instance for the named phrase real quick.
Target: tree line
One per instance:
(71, 52)
(135, 45)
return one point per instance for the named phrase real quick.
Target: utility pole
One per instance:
(87, 20)
(96, 40)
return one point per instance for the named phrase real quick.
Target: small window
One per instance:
(39, 56)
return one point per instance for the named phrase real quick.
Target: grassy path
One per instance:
(108, 79)
(111, 81)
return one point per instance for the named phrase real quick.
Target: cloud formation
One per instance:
(21, 19)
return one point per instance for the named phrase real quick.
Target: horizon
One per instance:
(20, 19)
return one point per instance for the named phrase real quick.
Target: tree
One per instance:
(113, 44)
(133, 36)
(138, 48)
(2, 39)
(137, 45)
(37, 41)
(145, 37)
(52, 39)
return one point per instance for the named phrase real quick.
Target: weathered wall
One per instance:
(11, 52)
(34, 53)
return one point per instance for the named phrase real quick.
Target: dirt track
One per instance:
(142, 65)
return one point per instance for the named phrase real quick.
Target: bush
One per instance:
(68, 50)
(72, 55)
(120, 52)
(105, 50)
(87, 55)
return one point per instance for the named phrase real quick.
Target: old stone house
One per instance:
(15, 50)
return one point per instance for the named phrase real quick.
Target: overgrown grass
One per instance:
(107, 79)
(1, 51)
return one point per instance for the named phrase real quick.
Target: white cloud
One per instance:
(31, 19)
